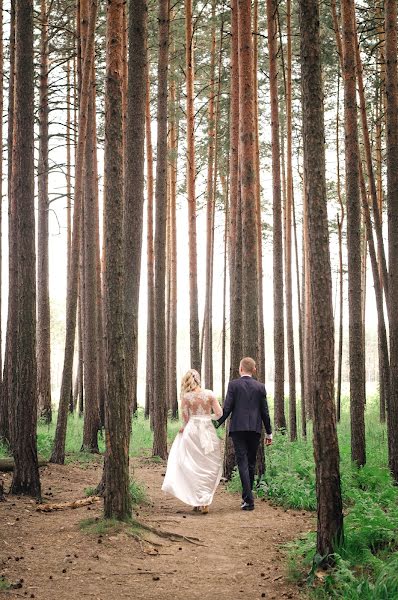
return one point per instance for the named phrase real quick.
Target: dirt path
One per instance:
(241, 556)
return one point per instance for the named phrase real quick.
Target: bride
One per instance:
(194, 467)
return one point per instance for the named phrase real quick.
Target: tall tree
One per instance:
(191, 174)
(134, 185)
(58, 453)
(356, 342)
(211, 175)
(150, 336)
(390, 8)
(117, 501)
(88, 276)
(288, 225)
(43, 294)
(234, 229)
(280, 419)
(326, 452)
(160, 407)
(26, 473)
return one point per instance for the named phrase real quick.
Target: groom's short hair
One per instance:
(248, 365)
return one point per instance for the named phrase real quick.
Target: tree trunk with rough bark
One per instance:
(134, 185)
(356, 342)
(326, 452)
(58, 453)
(390, 8)
(279, 399)
(117, 500)
(160, 406)
(26, 478)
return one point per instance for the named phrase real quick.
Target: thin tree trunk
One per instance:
(172, 259)
(58, 454)
(134, 186)
(288, 250)
(211, 177)
(191, 174)
(356, 345)
(160, 407)
(26, 473)
(330, 515)
(390, 7)
(90, 303)
(43, 294)
(280, 419)
(234, 231)
(261, 342)
(4, 434)
(149, 393)
(340, 221)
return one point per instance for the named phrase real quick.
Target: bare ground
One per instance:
(241, 557)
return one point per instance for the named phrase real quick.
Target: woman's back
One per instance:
(199, 403)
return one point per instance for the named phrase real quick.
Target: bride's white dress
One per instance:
(194, 466)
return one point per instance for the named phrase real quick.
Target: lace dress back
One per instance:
(200, 403)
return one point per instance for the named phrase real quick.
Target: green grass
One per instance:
(4, 584)
(367, 564)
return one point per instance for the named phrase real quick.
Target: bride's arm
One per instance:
(184, 413)
(217, 410)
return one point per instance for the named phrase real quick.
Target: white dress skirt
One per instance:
(194, 466)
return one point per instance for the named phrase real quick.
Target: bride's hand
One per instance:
(181, 430)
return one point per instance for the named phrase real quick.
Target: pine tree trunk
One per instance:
(208, 316)
(160, 406)
(43, 294)
(330, 515)
(134, 186)
(58, 454)
(390, 7)
(340, 221)
(280, 419)
(90, 303)
(9, 383)
(117, 501)
(149, 391)
(3, 397)
(234, 231)
(191, 174)
(288, 250)
(172, 259)
(356, 343)
(26, 473)
(261, 342)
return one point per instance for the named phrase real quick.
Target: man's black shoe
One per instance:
(246, 506)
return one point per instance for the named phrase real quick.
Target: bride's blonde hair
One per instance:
(190, 381)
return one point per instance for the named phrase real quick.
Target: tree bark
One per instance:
(134, 185)
(149, 391)
(58, 454)
(160, 408)
(356, 342)
(26, 473)
(191, 174)
(279, 399)
(117, 500)
(390, 8)
(326, 452)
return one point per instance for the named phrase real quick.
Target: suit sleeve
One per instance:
(265, 414)
(228, 405)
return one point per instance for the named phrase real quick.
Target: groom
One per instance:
(247, 401)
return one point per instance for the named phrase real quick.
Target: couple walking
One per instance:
(194, 467)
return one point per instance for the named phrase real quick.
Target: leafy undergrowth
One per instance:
(366, 566)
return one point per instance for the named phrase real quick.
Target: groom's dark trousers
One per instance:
(246, 401)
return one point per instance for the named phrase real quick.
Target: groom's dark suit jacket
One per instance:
(246, 399)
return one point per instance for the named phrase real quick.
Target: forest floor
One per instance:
(241, 554)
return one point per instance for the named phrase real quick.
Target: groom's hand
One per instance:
(268, 439)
